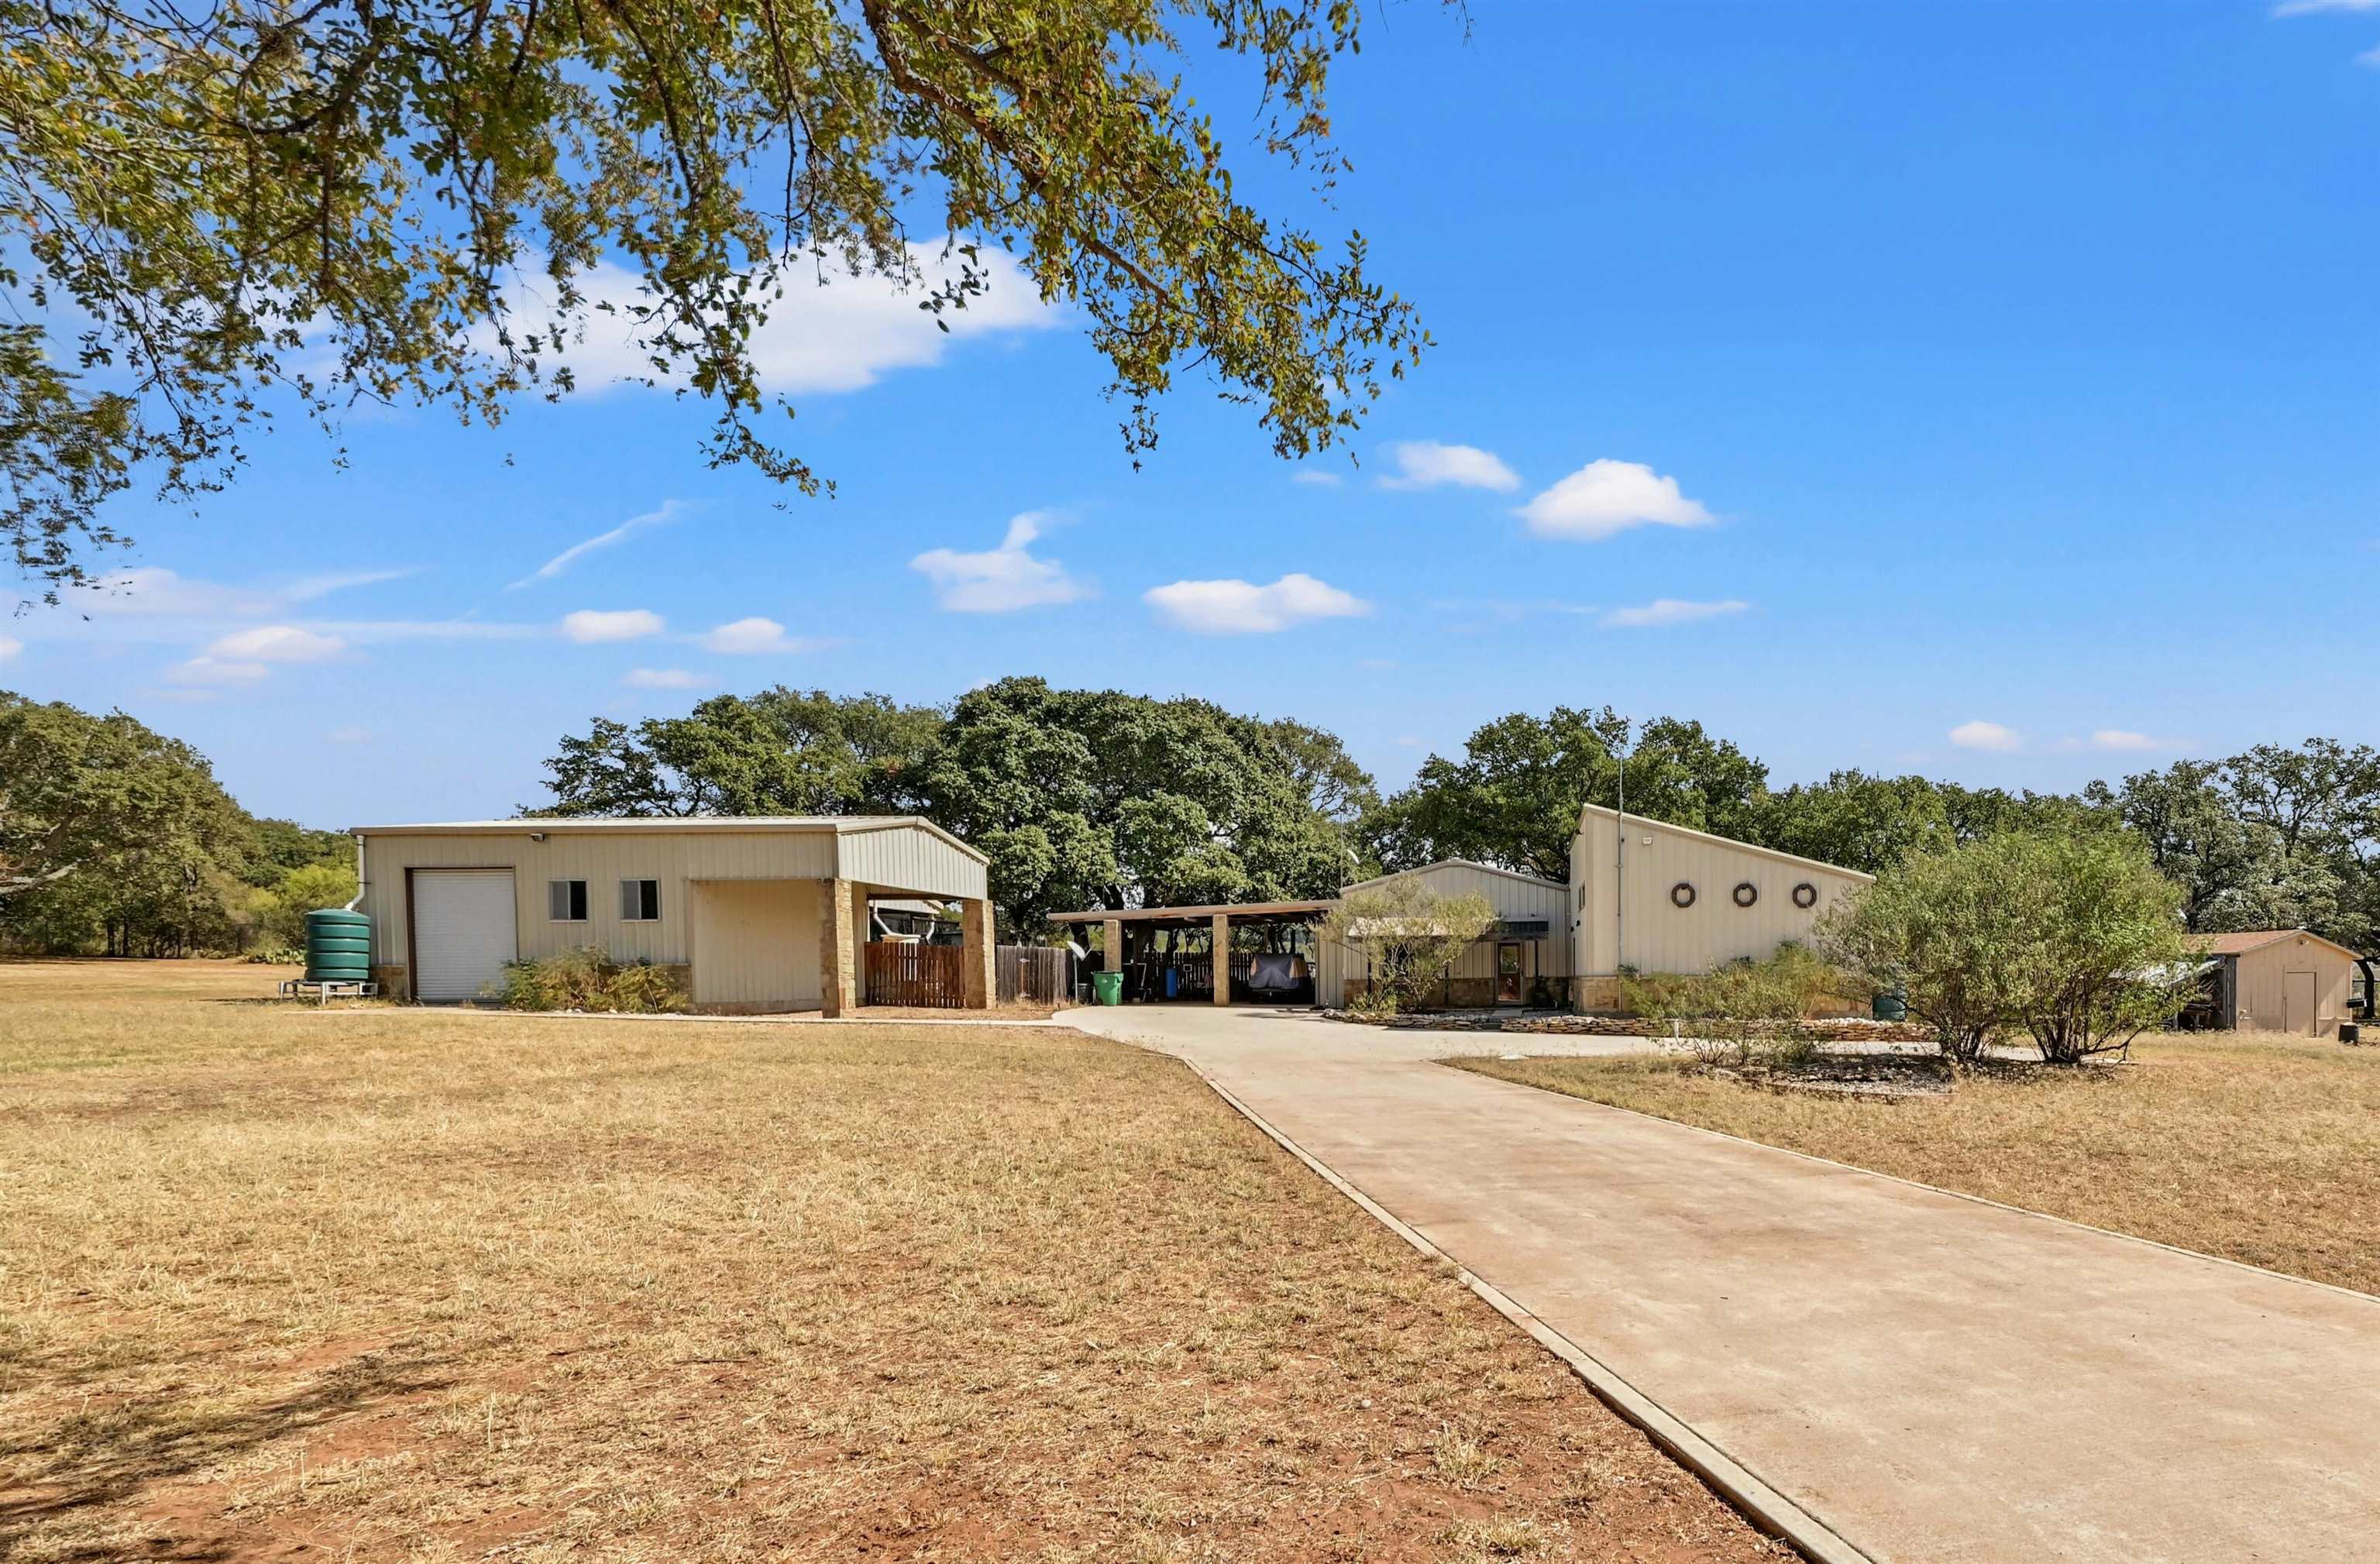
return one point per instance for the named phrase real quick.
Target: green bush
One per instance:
(2075, 940)
(1740, 1013)
(588, 979)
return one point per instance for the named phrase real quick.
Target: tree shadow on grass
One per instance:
(104, 1457)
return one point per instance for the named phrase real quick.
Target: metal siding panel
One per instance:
(601, 859)
(1657, 936)
(756, 942)
(914, 861)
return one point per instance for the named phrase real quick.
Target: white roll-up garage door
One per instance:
(463, 931)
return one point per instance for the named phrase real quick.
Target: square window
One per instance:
(566, 901)
(641, 900)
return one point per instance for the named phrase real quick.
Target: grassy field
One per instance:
(281, 1282)
(2260, 1148)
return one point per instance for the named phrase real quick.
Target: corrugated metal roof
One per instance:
(1455, 864)
(659, 825)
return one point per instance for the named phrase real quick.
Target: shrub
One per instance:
(588, 979)
(1409, 937)
(1740, 1013)
(2073, 940)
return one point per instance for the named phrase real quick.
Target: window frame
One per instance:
(642, 901)
(576, 905)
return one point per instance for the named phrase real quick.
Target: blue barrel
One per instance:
(338, 946)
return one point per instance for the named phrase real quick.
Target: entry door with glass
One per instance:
(1507, 974)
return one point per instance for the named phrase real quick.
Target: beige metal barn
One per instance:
(754, 914)
(1651, 897)
(1525, 959)
(1643, 896)
(2282, 980)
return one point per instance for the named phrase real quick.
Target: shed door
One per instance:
(2297, 990)
(463, 932)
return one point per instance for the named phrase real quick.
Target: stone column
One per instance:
(1222, 958)
(976, 955)
(1111, 938)
(838, 949)
(862, 931)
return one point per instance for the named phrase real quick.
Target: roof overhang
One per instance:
(678, 825)
(1160, 915)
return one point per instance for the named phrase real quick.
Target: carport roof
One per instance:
(1239, 909)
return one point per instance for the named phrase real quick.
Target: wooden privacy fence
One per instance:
(920, 975)
(1034, 972)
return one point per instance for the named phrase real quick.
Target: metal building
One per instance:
(2282, 980)
(754, 914)
(1650, 897)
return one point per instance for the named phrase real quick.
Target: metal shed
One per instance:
(2282, 980)
(754, 914)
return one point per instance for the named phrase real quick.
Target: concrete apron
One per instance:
(1933, 1379)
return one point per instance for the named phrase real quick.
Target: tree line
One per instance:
(116, 839)
(1087, 798)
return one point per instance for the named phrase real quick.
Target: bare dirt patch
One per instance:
(281, 1283)
(2255, 1147)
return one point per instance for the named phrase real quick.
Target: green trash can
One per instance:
(1109, 987)
(1892, 1004)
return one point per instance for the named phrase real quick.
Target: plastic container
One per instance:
(338, 946)
(1109, 987)
(1890, 1005)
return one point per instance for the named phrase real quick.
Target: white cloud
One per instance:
(1234, 608)
(667, 511)
(429, 629)
(1316, 476)
(664, 679)
(838, 337)
(592, 625)
(2369, 58)
(1980, 735)
(1003, 579)
(205, 670)
(153, 592)
(751, 637)
(9, 647)
(1607, 497)
(351, 733)
(277, 643)
(1673, 611)
(306, 589)
(2122, 738)
(1426, 464)
(2312, 7)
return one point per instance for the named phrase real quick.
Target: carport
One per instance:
(1167, 954)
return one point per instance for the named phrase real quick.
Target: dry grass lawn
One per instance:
(281, 1282)
(2257, 1148)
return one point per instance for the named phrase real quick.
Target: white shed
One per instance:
(753, 914)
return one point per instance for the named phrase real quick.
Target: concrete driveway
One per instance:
(1937, 1379)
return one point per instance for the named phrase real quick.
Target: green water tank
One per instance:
(338, 946)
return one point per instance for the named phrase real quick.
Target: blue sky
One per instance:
(1988, 390)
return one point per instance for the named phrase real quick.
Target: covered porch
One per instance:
(1169, 955)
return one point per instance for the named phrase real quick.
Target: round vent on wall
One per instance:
(1806, 895)
(1682, 894)
(1746, 893)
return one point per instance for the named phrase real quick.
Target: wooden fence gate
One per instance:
(917, 974)
(1034, 972)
